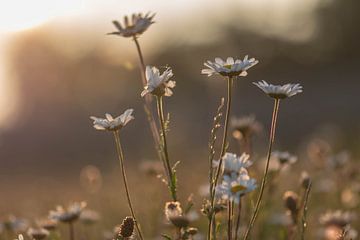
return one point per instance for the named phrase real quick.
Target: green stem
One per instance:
(304, 215)
(223, 148)
(147, 105)
(122, 166)
(160, 108)
(263, 183)
(238, 220)
(230, 210)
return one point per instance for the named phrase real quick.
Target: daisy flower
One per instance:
(230, 67)
(158, 84)
(113, 124)
(234, 164)
(279, 91)
(234, 186)
(338, 218)
(68, 215)
(245, 127)
(283, 157)
(134, 27)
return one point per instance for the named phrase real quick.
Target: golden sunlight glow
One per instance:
(17, 15)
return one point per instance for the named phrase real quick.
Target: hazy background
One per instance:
(57, 68)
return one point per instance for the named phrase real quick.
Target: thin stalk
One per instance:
(71, 231)
(160, 108)
(263, 183)
(238, 220)
(147, 105)
(229, 220)
(142, 62)
(223, 147)
(304, 215)
(122, 166)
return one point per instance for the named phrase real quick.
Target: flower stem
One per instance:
(230, 213)
(71, 231)
(147, 105)
(305, 208)
(238, 220)
(121, 160)
(223, 147)
(171, 182)
(263, 183)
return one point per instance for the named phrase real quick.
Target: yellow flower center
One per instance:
(237, 188)
(228, 66)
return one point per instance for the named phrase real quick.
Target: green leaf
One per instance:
(167, 237)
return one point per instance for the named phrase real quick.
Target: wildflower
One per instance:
(233, 164)
(279, 91)
(126, 229)
(230, 67)
(284, 158)
(15, 224)
(158, 84)
(113, 124)
(245, 127)
(48, 224)
(134, 27)
(172, 209)
(37, 233)
(68, 215)
(235, 186)
(337, 218)
(89, 217)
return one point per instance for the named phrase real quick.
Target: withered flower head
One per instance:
(291, 200)
(173, 209)
(305, 180)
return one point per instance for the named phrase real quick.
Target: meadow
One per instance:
(208, 172)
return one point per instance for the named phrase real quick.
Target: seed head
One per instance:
(126, 229)
(291, 201)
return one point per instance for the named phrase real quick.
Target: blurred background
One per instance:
(58, 67)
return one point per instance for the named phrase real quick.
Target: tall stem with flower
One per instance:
(230, 69)
(276, 92)
(115, 125)
(133, 29)
(160, 85)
